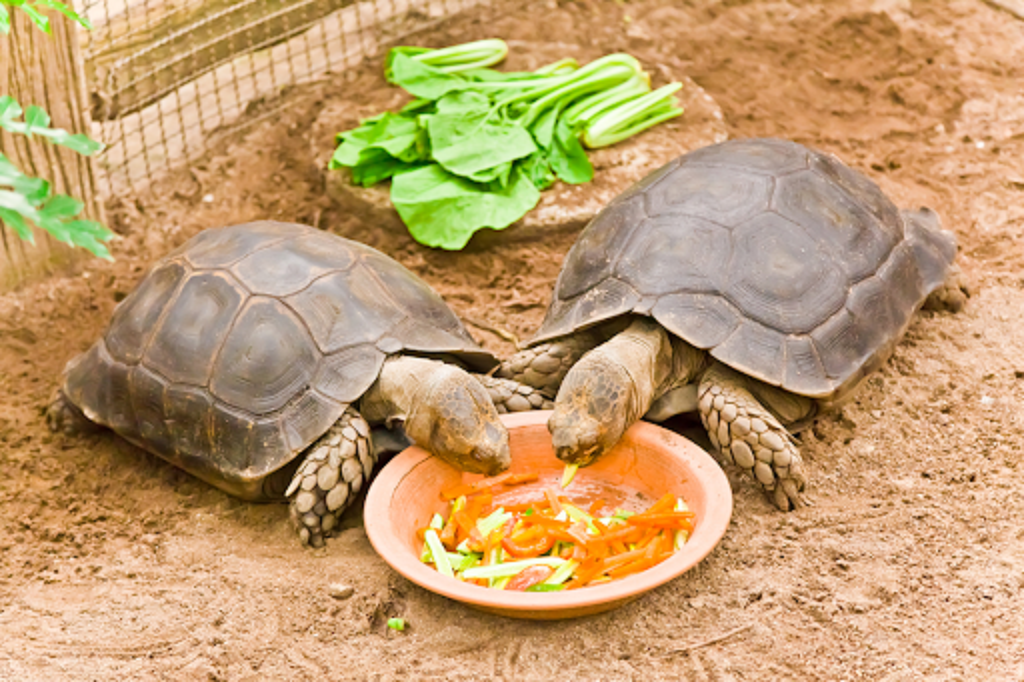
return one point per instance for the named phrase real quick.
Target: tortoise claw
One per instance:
(787, 497)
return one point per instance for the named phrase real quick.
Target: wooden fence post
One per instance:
(45, 70)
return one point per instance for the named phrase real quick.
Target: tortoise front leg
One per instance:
(544, 367)
(952, 295)
(509, 395)
(63, 417)
(335, 467)
(748, 435)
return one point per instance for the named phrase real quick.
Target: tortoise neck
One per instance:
(644, 351)
(399, 394)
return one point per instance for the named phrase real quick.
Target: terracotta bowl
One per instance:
(649, 461)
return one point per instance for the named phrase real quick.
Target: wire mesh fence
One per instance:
(164, 75)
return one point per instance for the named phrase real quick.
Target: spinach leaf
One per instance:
(568, 158)
(468, 139)
(444, 210)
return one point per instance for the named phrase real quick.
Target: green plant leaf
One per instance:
(37, 17)
(5, 20)
(66, 11)
(538, 169)
(33, 189)
(29, 201)
(543, 128)
(380, 148)
(9, 109)
(384, 167)
(17, 223)
(401, 137)
(36, 117)
(404, 51)
(421, 80)
(444, 210)
(90, 235)
(83, 144)
(60, 206)
(568, 158)
(15, 201)
(36, 122)
(467, 141)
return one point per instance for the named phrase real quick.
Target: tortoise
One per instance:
(256, 357)
(754, 281)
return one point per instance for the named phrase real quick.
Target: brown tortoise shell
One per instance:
(243, 346)
(780, 261)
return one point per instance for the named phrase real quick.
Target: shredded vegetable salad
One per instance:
(550, 542)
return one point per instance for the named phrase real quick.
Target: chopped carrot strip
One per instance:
(448, 534)
(622, 559)
(537, 505)
(661, 516)
(519, 479)
(600, 551)
(547, 522)
(666, 503)
(662, 521)
(667, 542)
(484, 484)
(648, 537)
(556, 506)
(631, 534)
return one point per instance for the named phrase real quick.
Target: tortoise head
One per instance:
(591, 412)
(457, 421)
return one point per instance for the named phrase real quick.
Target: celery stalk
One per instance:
(511, 568)
(437, 523)
(562, 573)
(493, 521)
(568, 473)
(438, 554)
(577, 514)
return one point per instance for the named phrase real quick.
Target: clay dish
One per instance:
(649, 460)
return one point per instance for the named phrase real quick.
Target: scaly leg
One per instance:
(952, 295)
(543, 367)
(325, 484)
(63, 417)
(747, 434)
(509, 395)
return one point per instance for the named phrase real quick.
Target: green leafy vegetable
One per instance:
(477, 146)
(468, 56)
(396, 624)
(444, 210)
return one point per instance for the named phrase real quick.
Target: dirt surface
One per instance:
(910, 564)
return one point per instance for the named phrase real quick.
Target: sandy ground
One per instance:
(910, 564)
